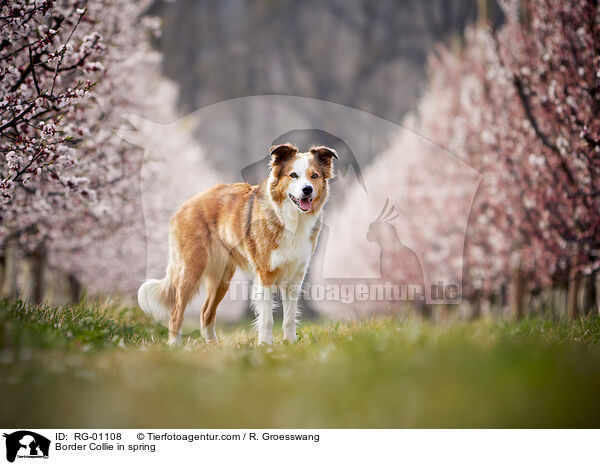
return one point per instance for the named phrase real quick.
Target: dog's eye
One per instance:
(293, 175)
(315, 176)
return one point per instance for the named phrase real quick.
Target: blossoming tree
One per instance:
(521, 105)
(68, 69)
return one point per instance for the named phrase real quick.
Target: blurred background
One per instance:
(476, 120)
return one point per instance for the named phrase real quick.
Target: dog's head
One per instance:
(300, 178)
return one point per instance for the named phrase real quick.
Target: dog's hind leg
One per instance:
(187, 282)
(216, 288)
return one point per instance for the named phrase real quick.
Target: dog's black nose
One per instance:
(307, 190)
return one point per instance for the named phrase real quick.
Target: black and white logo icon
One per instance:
(26, 444)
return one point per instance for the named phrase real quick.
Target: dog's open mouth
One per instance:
(303, 204)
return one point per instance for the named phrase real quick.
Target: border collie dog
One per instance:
(268, 230)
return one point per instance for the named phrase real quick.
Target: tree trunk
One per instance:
(524, 12)
(9, 278)
(519, 292)
(444, 313)
(483, 12)
(588, 294)
(597, 288)
(33, 282)
(559, 301)
(475, 313)
(74, 288)
(572, 295)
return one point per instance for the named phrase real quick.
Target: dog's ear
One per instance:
(324, 155)
(281, 153)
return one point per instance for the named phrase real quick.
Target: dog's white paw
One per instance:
(266, 339)
(290, 336)
(209, 334)
(174, 339)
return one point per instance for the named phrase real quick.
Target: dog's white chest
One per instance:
(294, 249)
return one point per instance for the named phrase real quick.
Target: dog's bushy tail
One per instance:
(156, 297)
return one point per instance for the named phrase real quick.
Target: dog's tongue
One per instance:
(305, 204)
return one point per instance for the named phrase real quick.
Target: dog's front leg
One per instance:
(263, 307)
(289, 299)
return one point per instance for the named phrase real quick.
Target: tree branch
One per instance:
(527, 107)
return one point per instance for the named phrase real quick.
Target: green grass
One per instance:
(86, 366)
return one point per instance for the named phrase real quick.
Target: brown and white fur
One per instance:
(269, 230)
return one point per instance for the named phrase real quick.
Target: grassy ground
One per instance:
(83, 366)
